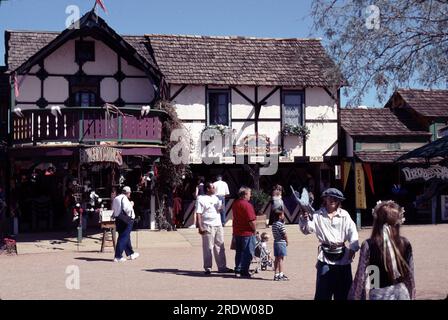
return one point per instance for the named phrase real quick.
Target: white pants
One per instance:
(213, 241)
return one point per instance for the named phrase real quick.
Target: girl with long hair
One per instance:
(388, 255)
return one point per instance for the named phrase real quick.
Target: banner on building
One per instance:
(346, 172)
(368, 169)
(101, 154)
(360, 194)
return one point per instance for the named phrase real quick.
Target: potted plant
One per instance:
(260, 199)
(296, 130)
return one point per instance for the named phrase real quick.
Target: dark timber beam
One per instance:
(178, 92)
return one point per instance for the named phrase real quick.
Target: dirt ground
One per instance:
(170, 267)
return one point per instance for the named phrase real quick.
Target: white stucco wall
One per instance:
(62, 61)
(319, 105)
(272, 107)
(349, 145)
(322, 136)
(241, 108)
(109, 90)
(271, 130)
(190, 103)
(56, 89)
(29, 89)
(243, 129)
(135, 90)
(194, 130)
(106, 61)
(130, 70)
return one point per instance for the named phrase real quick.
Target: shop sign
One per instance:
(256, 144)
(426, 174)
(360, 195)
(227, 160)
(101, 154)
(316, 159)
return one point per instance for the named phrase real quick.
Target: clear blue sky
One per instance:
(258, 18)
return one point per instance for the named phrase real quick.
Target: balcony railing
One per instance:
(87, 125)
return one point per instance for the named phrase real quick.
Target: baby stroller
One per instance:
(262, 258)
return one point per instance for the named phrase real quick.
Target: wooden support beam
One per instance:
(330, 94)
(243, 95)
(178, 92)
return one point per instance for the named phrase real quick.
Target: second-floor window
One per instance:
(292, 107)
(84, 96)
(218, 107)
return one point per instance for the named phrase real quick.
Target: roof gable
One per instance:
(379, 122)
(428, 103)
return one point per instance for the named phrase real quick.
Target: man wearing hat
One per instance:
(123, 211)
(333, 227)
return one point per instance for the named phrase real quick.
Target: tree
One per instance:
(169, 175)
(390, 44)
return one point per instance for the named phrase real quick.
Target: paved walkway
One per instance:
(170, 267)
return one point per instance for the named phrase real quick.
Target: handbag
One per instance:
(123, 216)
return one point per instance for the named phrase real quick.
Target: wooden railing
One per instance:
(86, 125)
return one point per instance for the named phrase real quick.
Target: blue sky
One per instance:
(258, 18)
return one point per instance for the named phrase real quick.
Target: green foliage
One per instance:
(299, 130)
(259, 199)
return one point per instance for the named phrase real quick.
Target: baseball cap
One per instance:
(126, 189)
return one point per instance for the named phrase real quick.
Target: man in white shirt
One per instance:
(123, 212)
(211, 230)
(333, 227)
(221, 191)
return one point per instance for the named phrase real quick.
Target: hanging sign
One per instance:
(101, 154)
(360, 187)
(435, 171)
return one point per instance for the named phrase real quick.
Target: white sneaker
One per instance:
(134, 256)
(122, 259)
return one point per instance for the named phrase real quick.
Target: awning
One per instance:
(41, 152)
(437, 148)
(382, 156)
(146, 151)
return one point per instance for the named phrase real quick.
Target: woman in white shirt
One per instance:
(333, 227)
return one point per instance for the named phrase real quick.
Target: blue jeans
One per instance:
(333, 280)
(222, 212)
(245, 249)
(124, 239)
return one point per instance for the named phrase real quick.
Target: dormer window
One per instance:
(84, 51)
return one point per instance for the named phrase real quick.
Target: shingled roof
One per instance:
(212, 60)
(384, 156)
(379, 122)
(428, 103)
(242, 60)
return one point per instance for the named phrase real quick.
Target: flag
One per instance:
(345, 172)
(16, 86)
(101, 4)
(368, 170)
(360, 191)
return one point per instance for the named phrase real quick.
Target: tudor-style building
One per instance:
(256, 87)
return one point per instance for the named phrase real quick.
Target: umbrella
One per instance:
(437, 148)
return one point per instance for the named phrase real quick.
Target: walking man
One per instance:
(123, 212)
(244, 226)
(222, 191)
(211, 230)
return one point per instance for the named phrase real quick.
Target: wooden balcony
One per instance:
(87, 126)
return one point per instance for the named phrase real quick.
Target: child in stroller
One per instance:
(262, 258)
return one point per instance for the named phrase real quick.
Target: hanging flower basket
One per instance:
(220, 127)
(298, 130)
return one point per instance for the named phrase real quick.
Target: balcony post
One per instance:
(120, 128)
(81, 127)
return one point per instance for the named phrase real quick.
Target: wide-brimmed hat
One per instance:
(333, 192)
(126, 189)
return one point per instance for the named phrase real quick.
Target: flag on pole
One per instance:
(345, 172)
(101, 4)
(16, 86)
(368, 171)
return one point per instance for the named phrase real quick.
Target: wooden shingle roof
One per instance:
(428, 103)
(242, 60)
(379, 122)
(212, 60)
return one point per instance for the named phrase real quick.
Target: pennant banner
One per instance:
(101, 4)
(346, 172)
(360, 187)
(16, 86)
(368, 169)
